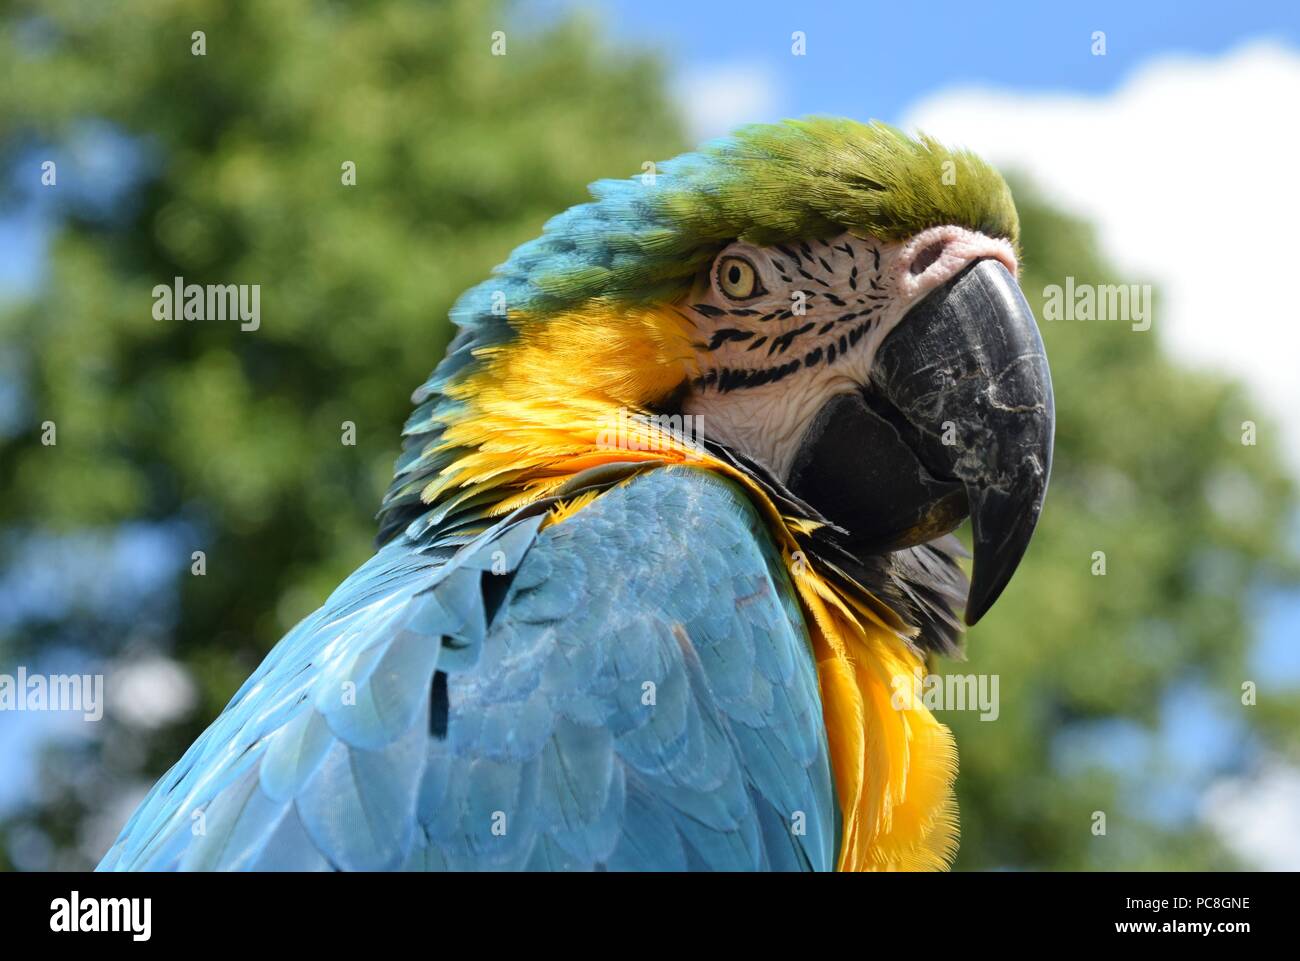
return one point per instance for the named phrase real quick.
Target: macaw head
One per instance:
(832, 300)
(886, 368)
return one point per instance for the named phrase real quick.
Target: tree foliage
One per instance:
(1150, 479)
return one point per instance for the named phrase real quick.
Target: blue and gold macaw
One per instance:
(671, 521)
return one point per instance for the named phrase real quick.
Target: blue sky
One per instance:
(872, 59)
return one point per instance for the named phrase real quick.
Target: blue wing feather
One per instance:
(642, 696)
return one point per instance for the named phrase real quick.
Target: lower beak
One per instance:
(957, 419)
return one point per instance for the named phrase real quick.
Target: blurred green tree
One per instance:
(1151, 479)
(228, 167)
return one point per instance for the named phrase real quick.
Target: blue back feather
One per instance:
(630, 689)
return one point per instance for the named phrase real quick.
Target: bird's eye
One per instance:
(738, 279)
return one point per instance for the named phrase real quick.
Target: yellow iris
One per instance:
(737, 278)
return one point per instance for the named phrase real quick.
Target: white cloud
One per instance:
(720, 98)
(151, 692)
(1191, 171)
(1259, 819)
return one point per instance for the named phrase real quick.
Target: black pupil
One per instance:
(734, 274)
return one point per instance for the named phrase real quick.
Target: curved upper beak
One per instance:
(958, 419)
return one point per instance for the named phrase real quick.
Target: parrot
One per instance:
(673, 517)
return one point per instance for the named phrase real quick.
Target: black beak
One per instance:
(958, 419)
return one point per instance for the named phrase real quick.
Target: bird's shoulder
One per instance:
(631, 687)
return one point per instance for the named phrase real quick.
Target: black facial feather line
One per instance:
(810, 261)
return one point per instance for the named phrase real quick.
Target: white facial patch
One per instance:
(783, 329)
